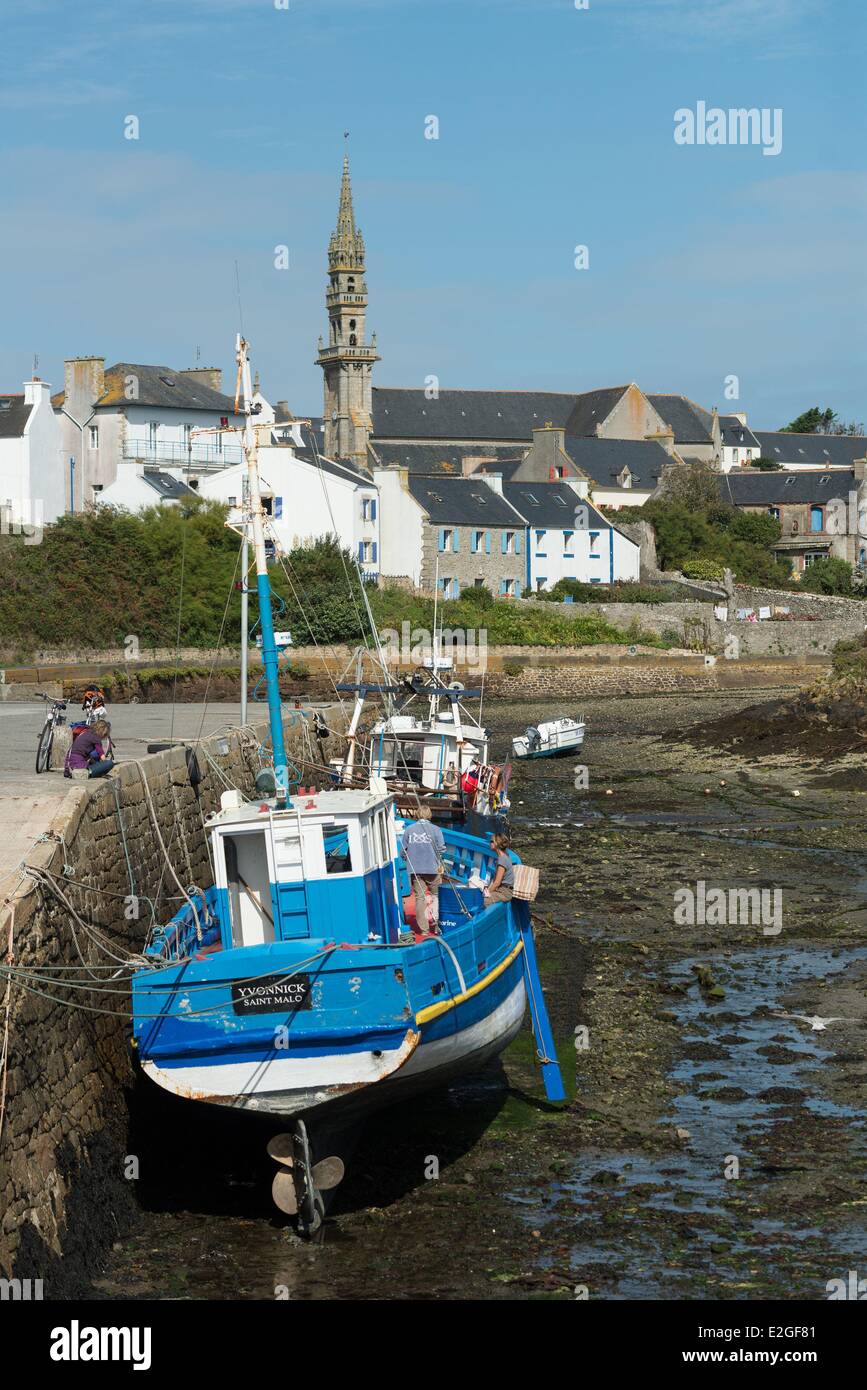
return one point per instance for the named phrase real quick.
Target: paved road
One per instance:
(29, 802)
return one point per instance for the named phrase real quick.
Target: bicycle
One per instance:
(55, 718)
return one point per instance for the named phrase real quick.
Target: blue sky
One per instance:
(556, 129)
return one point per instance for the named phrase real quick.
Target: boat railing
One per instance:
(179, 938)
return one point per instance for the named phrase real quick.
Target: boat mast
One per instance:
(263, 585)
(245, 603)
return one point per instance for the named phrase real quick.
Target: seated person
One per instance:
(501, 886)
(90, 752)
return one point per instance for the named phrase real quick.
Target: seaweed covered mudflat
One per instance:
(703, 940)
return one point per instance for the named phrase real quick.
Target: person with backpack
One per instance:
(423, 846)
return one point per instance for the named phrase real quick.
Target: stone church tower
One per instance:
(345, 360)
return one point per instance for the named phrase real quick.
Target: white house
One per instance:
(147, 415)
(137, 487)
(307, 496)
(31, 472)
(738, 446)
(568, 538)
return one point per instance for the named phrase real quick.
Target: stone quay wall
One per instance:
(63, 1193)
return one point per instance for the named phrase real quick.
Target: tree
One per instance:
(766, 465)
(828, 576)
(812, 421)
(694, 486)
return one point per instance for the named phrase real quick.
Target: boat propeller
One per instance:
(299, 1183)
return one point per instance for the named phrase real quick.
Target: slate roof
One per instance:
(462, 502)
(400, 413)
(433, 459)
(338, 468)
(603, 460)
(691, 423)
(158, 386)
(407, 414)
(166, 486)
(755, 488)
(550, 505)
(591, 408)
(14, 414)
(816, 449)
(736, 435)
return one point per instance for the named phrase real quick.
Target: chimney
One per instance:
(282, 412)
(205, 376)
(37, 392)
(860, 469)
(494, 481)
(83, 384)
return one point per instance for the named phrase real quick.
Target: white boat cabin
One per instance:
(323, 866)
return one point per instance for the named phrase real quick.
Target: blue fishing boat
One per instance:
(293, 986)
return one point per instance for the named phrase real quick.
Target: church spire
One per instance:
(346, 248)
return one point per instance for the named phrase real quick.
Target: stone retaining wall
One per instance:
(63, 1194)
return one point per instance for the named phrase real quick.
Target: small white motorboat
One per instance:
(553, 739)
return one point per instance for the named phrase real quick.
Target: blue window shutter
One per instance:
(487, 542)
(373, 509)
(456, 539)
(503, 542)
(474, 541)
(373, 552)
(517, 542)
(442, 544)
(503, 586)
(361, 551)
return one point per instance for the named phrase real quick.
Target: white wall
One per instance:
(130, 491)
(599, 555)
(31, 465)
(400, 527)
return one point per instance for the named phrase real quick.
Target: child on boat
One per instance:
(502, 885)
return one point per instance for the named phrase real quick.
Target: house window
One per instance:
(366, 552)
(568, 543)
(448, 539)
(508, 587)
(735, 455)
(540, 584)
(540, 541)
(817, 519)
(594, 553)
(478, 541)
(368, 509)
(813, 555)
(153, 431)
(774, 512)
(93, 436)
(450, 587)
(233, 501)
(509, 542)
(188, 437)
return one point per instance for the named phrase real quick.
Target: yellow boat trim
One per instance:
(434, 1010)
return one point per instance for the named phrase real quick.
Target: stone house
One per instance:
(822, 513)
(453, 533)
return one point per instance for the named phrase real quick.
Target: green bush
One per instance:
(702, 567)
(511, 667)
(829, 576)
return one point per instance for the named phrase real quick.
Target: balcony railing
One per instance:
(194, 455)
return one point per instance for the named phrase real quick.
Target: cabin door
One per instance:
(248, 879)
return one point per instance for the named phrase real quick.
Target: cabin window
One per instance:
(338, 859)
(382, 831)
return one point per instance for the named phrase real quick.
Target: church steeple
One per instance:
(346, 361)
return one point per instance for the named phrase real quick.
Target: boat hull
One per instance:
(379, 1025)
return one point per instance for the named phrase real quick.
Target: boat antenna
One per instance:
(256, 513)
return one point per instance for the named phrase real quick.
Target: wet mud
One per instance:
(713, 1145)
